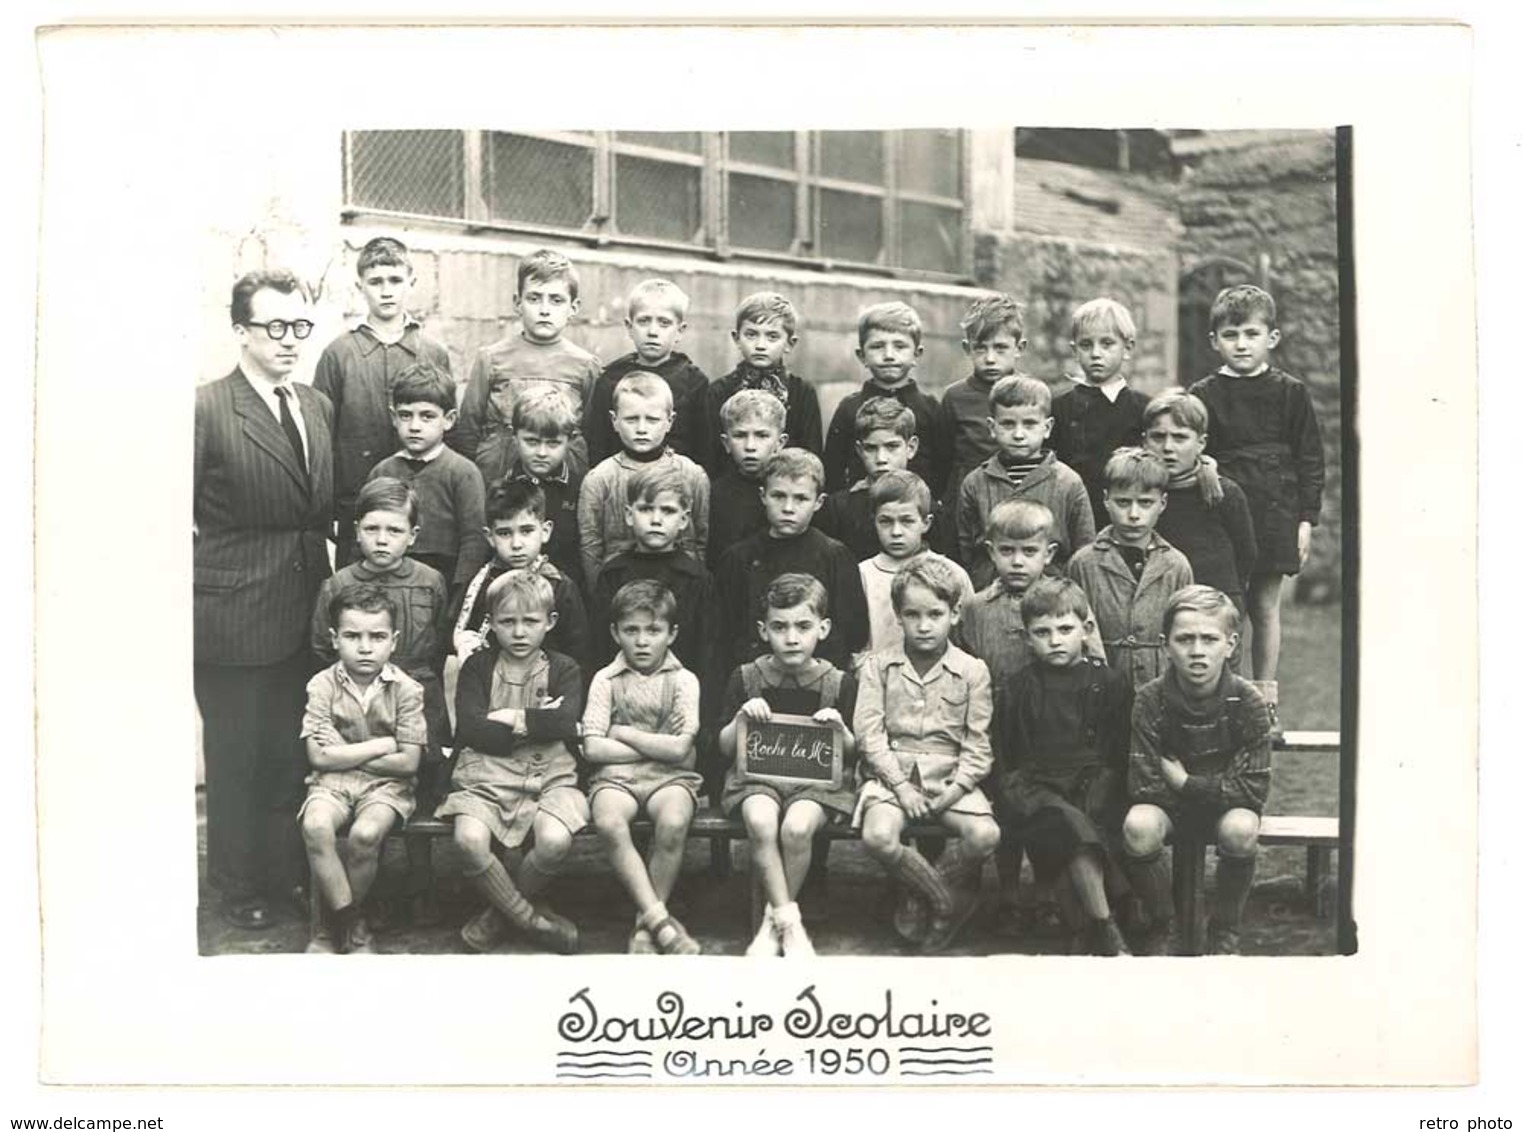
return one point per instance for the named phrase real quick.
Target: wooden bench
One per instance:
(1318, 835)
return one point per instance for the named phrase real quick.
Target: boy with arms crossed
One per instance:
(1199, 763)
(640, 733)
(364, 732)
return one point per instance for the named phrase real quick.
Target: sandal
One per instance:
(672, 938)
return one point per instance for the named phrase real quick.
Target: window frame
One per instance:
(715, 165)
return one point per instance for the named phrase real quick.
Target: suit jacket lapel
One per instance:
(261, 429)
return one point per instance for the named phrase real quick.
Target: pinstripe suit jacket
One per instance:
(261, 528)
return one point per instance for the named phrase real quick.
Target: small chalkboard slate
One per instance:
(790, 748)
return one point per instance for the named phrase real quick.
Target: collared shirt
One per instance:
(664, 702)
(935, 726)
(1228, 371)
(408, 323)
(1111, 388)
(427, 458)
(266, 390)
(339, 711)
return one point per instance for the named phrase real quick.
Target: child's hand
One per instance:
(756, 709)
(912, 801)
(943, 798)
(830, 717)
(1303, 541)
(1174, 773)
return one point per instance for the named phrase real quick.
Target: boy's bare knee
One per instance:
(473, 841)
(669, 829)
(552, 840)
(982, 838)
(801, 823)
(1237, 834)
(366, 840)
(318, 831)
(880, 839)
(1143, 831)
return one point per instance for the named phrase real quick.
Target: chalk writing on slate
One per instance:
(790, 748)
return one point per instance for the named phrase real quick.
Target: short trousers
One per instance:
(973, 804)
(838, 804)
(505, 794)
(354, 790)
(1195, 822)
(643, 786)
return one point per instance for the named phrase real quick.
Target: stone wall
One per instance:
(1052, 276)
(1275, 197)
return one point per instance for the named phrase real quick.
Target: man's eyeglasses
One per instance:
(276, 328)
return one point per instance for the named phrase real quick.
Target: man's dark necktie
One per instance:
(288, 424)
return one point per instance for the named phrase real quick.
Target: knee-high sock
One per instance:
(1234, 879)
(1153, 879)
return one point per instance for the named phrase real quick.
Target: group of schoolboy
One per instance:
(630, 562)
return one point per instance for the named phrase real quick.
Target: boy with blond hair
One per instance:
(642, 418)
(994, 336)
(888, 345)
(546, 300)
(766, 330)
(356, 372)
(1101, 412)
(1022, 467)
(656, 319)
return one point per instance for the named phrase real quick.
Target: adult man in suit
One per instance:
(263, 502)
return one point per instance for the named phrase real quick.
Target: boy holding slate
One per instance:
(782, 818)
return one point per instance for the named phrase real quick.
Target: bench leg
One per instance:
(420, 862)
(1317, 861)
(720, 865)
(1190, 895)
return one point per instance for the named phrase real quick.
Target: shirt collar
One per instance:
(265, 388)
(370, 341)
(808, 678)
(1228, 371)
(1111, 388)
(669, 663)
(1107, 539)
(428, 457)
(402, 570)
(386, 675)
(521, 473)
(953, 662)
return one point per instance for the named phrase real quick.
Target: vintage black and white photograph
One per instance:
(904, 580)
(1005, 465)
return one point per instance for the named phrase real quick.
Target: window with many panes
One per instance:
(892, 201)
